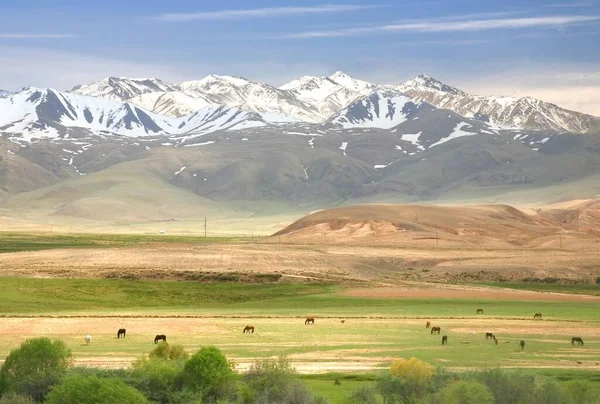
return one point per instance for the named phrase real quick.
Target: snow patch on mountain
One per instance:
(122, 88)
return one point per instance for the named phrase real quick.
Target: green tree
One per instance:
(466, 392)
(169, 352)
(34, 367)
(363, 395)
(549, 392)
(581, 392)
(94, 390)
(508, 387)
(208, 371)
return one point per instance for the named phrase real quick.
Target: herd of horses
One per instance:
(249, 329)
(489, 335)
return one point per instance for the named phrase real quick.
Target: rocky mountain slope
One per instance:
(122, 88)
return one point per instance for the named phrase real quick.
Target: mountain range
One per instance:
(143, 149)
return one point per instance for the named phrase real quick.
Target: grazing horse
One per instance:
(88, 339)
(121, 332)
(343, 321)
(435, 330)
(522, 343)
(479, 311)
(445, 340)
(428, 325)
(309, 321)
(249, 329)
(537, 315)
(576, 339)
(489, 335)
(160, 338)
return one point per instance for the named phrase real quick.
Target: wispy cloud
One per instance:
(260, 12)
(17, 35)
(436, 26)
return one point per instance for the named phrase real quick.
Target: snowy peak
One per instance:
(381, 109)
(122, 88)
(352, 84)
(3, 93)
(424, 82)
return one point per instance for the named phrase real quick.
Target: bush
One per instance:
(208, 371)
(581, 392)
(598, 280)
(508, 387)
(413, 370)
(34, 367)
(12, 398)
(157, 379)
(466, 392)
(363, 395)
(274, 382)
(169, 352)
(549, 392)
(94, 390)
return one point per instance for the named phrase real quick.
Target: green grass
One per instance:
(580, 289)
(15, 242)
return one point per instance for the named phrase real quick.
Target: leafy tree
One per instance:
(466, 392)
(549, 392)
(94, 390)
(413, 370)
(208, 371)
(34, 367)
(581, 392)
(508, 387)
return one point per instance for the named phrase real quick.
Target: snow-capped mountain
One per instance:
(45, 113)
(252, 96)
(172, 103)
(3, 93)
(380, 109)
(507, 112)
(329, 94)
(122, 88)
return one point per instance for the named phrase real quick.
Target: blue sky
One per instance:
(541, 48)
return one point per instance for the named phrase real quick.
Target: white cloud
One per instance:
(17, 35)
(259, 12)
(437, 26)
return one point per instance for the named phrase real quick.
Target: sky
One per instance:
(544, 49)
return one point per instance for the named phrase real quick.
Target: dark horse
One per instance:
(489, 335)
(444, 340)
(435, 330)
(249, 329)
(309, 320)
(121, 332)
(522, 343)
(537, 315)
(428, 325)
(160, 338)
(576, 339)
(479, 311)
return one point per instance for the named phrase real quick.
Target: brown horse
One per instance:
(489, 335)
(435, 330)
(343, 321)
(121, 332)
(537, 315)
(309, 321)
(576, 339)
(445, 340)
(479, 311)
(249, 329)
(428, 325)
(522, 343)
(160, 337)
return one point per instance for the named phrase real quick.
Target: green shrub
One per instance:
(169, 352)
(94, 390)
(598, 280)
(508, 387)
(157, 379)
(581, 392)
(209, 372)
(363, 395)
(34, 367)
(549, 392)
(466, 392)
(274, 382)
(12, 398)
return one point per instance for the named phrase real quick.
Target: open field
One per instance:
(376, 329)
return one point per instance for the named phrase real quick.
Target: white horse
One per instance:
(88, 339)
